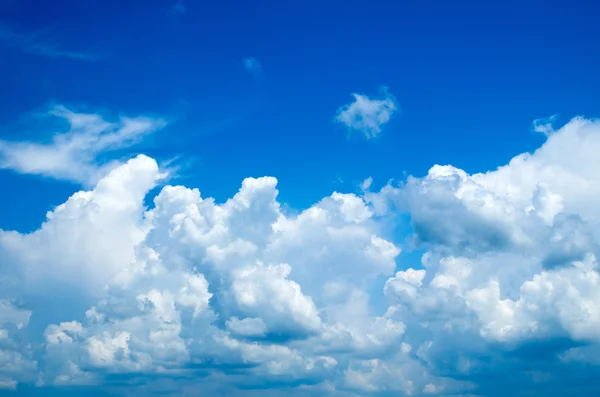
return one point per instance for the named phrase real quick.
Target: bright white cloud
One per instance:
(512, 253)
(76, 154)
(193, 281)
(242, 295)
(368, 115)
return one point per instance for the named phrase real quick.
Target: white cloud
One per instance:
(368, 115)
(190, 281)
(511, 268)
(266, 290)
(241, 295)
(513, 252)
(544, 125)
(76, 154)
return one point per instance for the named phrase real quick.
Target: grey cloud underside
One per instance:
(240, 298)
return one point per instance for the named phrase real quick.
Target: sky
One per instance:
(269, 198)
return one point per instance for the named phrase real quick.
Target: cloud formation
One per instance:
(243, 298)
(77, 154)
(191, 282)
(511, 272)
(367, 115)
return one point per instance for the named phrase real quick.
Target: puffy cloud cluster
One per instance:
(191, 287)
(511, 269)
(245, 298)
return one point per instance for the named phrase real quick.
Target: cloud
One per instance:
(544, 125)
(252, 65)
(244, 298)
(77, 154)
(191, 283)
(511, 262)
(367, 115)
(32, 43)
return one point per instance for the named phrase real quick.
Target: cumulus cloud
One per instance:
(16, 361)
(79, 153)
(511, 261)
(367, 115)
(191, 285)
(244, 298)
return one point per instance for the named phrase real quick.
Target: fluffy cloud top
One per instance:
(367, 115)
(244, 298)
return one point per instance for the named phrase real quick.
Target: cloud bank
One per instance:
(243, 298)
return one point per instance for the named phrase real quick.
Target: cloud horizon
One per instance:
(190, 294)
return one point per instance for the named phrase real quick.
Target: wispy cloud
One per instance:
(78, 154)
(544, 125)
(32, 43)
(252, 65)
(368, 115)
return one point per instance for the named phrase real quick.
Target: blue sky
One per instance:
(321, 96)
(466, 76)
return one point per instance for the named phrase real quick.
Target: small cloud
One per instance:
(179, 8)
(78, 154)
(367, 115)
(31, 43)
(366, 184)
(544, 125)
(252, 65)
